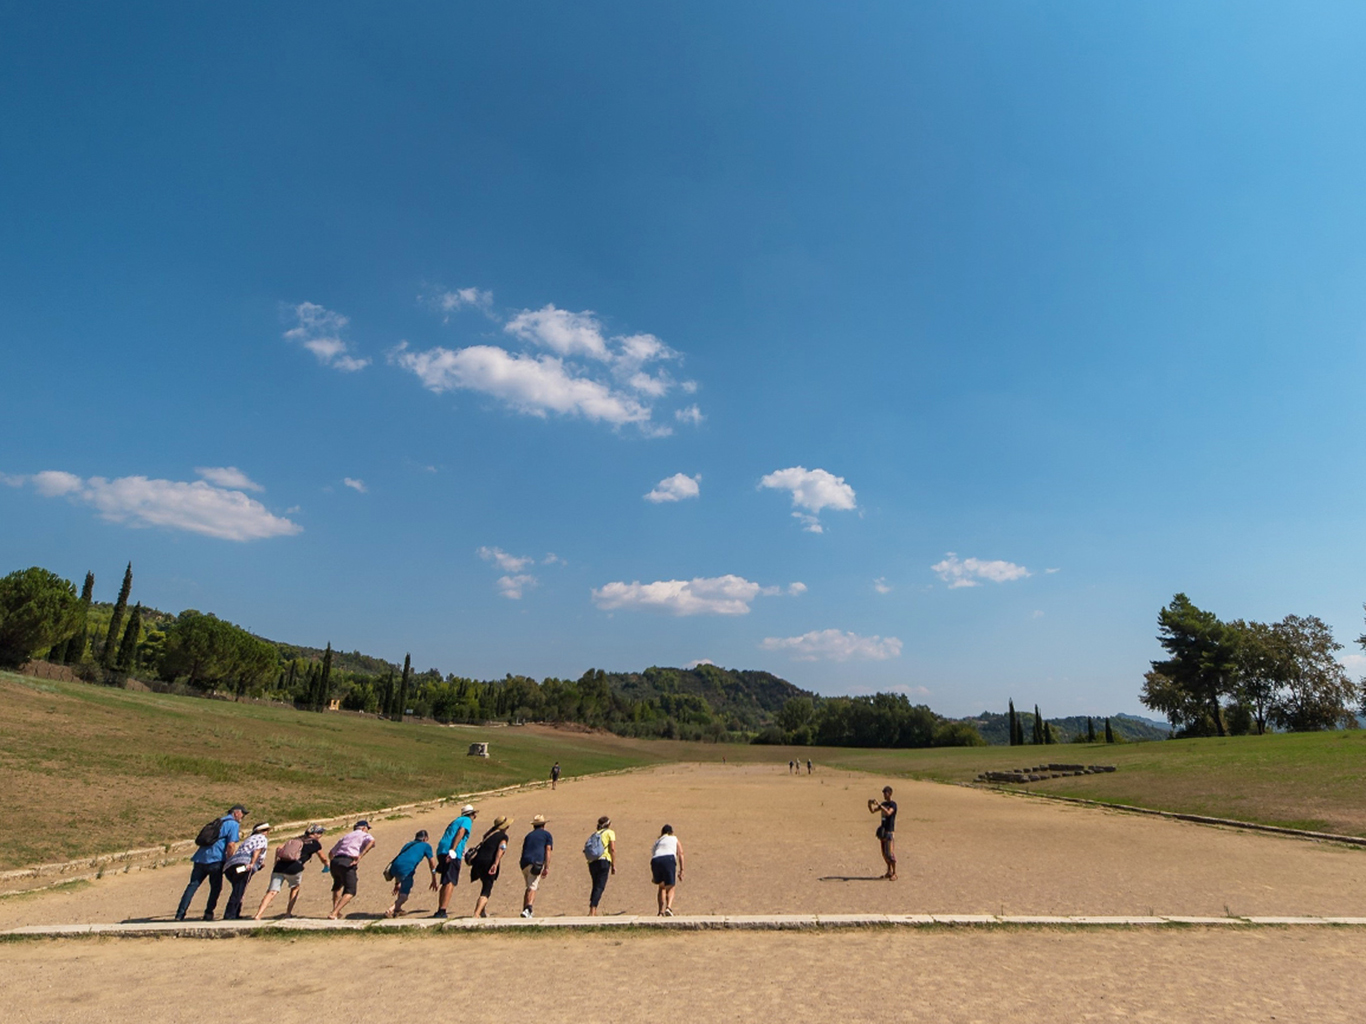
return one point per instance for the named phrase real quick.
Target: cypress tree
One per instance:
(403, 688)
(1090, 730)
(388, 707)
(126, 661)
(109, 654)
(1013, 722)
(75, 646)
(1038, 727)
(1109, 733)
(310, 685)
(324, 680)
(1048, 733)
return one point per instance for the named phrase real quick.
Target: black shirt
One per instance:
(487, 852)
(888, 815)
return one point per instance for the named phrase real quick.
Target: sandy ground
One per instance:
(757, 840)
(1311, 975)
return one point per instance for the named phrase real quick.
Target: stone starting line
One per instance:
(698, 922)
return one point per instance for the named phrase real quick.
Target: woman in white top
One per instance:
(666, 867)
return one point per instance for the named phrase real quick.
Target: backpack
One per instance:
(290, 852)
(208, 835)
(595, 847)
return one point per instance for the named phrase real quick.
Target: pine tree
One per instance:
(111, 637)
(324, 691)
(1090, 729)
(1038, 727)
(403, 688)
(126, 661)
(1109, 733)
(1012, 722)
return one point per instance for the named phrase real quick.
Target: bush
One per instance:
(957, 734)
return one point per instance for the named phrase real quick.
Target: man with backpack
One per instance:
(290, 859)
(217, 841)
(403, 867)
(600, 852)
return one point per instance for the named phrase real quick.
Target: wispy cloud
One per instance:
(318, 329)
(451, 300)
(675, 488)
(970, 572)
(692, 415)
(796, 589)
(881, 585)
(512, 587)
(812, 490)
(835, 645)
(504, 561)
(355, 485)
(703, 595)
(194, 506)
(228, 476)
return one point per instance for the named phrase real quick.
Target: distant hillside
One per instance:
(995, 728)
(752, 697)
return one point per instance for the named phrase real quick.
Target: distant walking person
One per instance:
(537, 847)
(345, 857)
(601, 851)
(403, 867)
(290, 858)
(208, 860)
(808, 766)
(555, 775)
(484, 865)
(666, 868)
(244, 862)
(449, 852)
(886, 832)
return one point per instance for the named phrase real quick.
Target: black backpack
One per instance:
(208, 835)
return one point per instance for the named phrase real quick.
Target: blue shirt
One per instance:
(409, 858)
(448, 837)
(534, 846)
(228, 831)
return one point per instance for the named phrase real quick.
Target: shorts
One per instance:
(532, 873)
(664, 870)
(448, 868)
(405, 884)
(344, 874)
(485, 881)
(279, 878)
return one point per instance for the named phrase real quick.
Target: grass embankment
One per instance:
(89, 769)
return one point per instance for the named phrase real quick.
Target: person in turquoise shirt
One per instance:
(403, 867)
(449, 853)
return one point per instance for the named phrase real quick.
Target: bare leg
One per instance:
(660, 894)
(265, 902)
(667, 892)
(339, 900)
(293, 899)
(444, 900)
(479, 905)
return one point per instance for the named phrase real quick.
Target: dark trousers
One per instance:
(598, 870)
(198, 872)
(238, 876)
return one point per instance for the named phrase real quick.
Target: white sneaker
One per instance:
(526, 912)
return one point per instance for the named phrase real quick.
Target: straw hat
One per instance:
(501, 822)
(538, 819)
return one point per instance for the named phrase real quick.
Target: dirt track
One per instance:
(760, 841)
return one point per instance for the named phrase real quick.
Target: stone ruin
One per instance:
(1044, 771)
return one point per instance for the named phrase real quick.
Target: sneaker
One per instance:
(526, 912)
(439, 913)
(668, 912)
(208, 916)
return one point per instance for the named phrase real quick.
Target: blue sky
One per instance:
(951, 340)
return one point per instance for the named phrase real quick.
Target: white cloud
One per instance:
(675, 488)
(1050, 572)
(881, 585)
(1354, 663)
(699, 661)
(453, 300)
(512, 587)
(714, 595)
(835, 645)
(530, 384)
(796, 589)
(563, 332)
(812, 490)
(228, 476)
(692, 415)
(970, 572)
(355, 485)
(318, 329)
(553, 559)
(504, 561)
(197, 506)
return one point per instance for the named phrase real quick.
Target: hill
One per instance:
(995, 727)
(750, 698)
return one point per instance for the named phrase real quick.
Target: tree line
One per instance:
(1233, 678)
(41, 615)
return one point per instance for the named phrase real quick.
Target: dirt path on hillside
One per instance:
(938, 976)
(760, 841)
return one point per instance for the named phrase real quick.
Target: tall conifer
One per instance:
(109, 654)
(324, 681)
(1109, 733)
(403, 688)
(1090, 729)
(1011, 721)
(126, 661)
(1038, 727)
(75, 646)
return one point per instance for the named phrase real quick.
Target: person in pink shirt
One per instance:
(344, 858)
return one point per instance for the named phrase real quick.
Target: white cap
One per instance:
(467, 808)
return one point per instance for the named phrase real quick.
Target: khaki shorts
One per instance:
(280, 878)
(533, 881)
